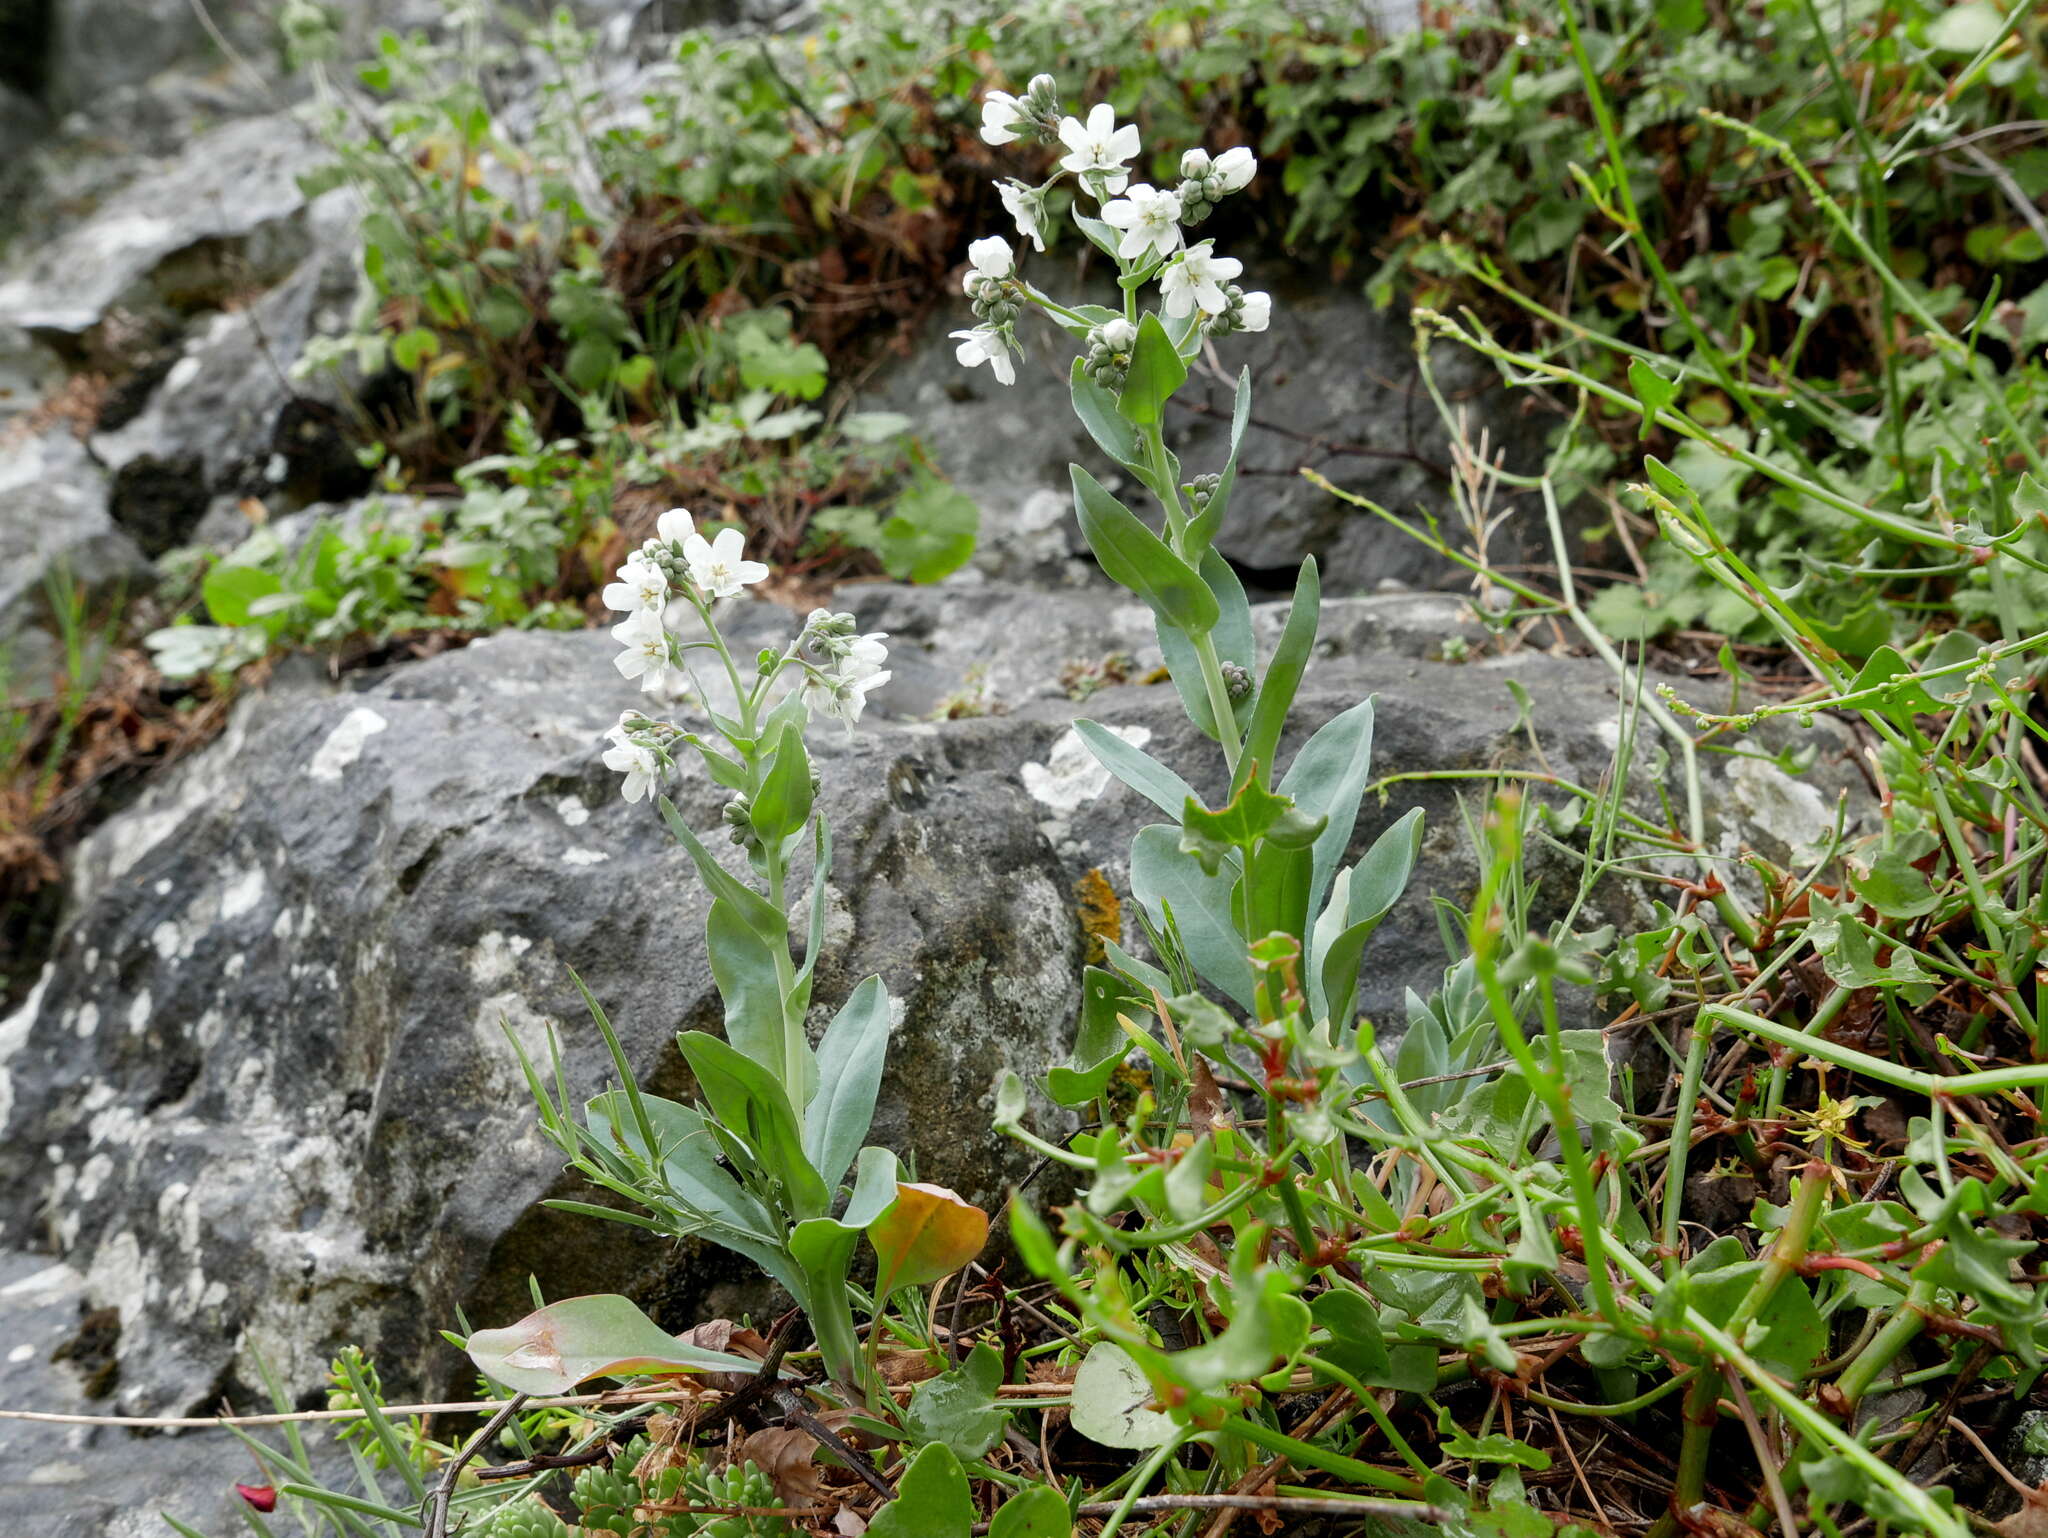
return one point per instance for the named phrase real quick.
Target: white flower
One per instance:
(718, 566)
(985, 344)
(1196, 280)
(1257, 313)
(1150, 220)
(646, 655)
(674, 526)
(641, 585)
(640, 766)
(864, 655)
(1194, 165)
(836, 695)
(1001, 116)
(1237, 168)
(1026, 205)
(991, 262)
(1099, 147)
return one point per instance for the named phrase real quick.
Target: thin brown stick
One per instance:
(437, 1502)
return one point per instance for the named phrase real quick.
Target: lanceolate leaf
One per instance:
(751, 906)
(1327, 779)
(1283, 676)
(557, 1347)
(1162, 876)
(1203, 526)
(1133, 556)
(850, 1057)
(785, 799)
(743, 966)
(1368, 891)
(1232, 638)
(1156, 372)
(1135, 767)
(1115, 436)
(750, 1102)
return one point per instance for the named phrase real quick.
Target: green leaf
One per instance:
(1111, 1395)
(1255, 814)
(958, 1408)
(780, 365)
(750, 1102)
(1283, 674)
(230, 590)
(1327, 779)
(555, 1348)
(686, 1154)
(930, 533)
(1368, 891)
(850, 1057)
(1039, 1512)
(784, 804)
(1356, 1344)
(1156, 371)
(1162, 877)
(1131, 555)
(1203, 526)
(1965, 28)
(1895, 888)
(1099, 1043)
(1653, 390)
(1268, 1325)
(1232, 637)
(1135, 768)
(1115, 436)
(409, 349)
(932, 1500)
(743, 966)
(761, 915)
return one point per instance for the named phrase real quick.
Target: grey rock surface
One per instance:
(262, 1098)
(54, 519)
(1335, 387)
(227, 418)
(216, 219)
(63, 1481)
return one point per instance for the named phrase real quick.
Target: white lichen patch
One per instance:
(495, 958)
(344, 745)
(87, 1019)
(1773, 803)
(585, 857)
(572, 811)
(243, 893)
(166, 939)
(138, 1013)
(1070, 777)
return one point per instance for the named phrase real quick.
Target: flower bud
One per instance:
(1237, 681)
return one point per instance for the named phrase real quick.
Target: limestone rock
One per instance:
(54, 519)
(262, 1096)
(215, 220)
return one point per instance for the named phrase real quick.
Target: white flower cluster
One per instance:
(1149, 225)
(677, 562)
(834, 669)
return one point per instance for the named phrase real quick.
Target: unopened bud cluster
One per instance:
(1108, 358)
(1204, 182)
(1035, 114)
(1237, 680)
(1240, 312)
(1201, 489)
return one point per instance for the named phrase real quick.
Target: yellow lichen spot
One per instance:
(1102, 916)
